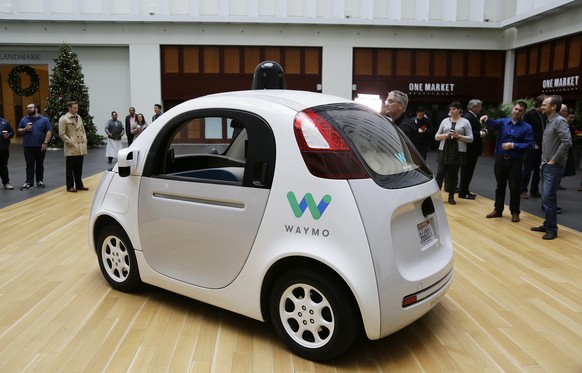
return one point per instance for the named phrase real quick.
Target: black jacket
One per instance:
(474, 148)
(5, 126)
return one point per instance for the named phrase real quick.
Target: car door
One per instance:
(201, 201)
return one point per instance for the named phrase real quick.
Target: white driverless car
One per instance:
(308, 211)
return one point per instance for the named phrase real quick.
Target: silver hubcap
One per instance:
(306, 315)
(115, 258)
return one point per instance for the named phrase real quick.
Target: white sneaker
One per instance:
(8, 186)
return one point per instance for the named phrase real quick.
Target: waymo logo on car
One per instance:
(307, 202)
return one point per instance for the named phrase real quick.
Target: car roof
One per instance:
(296, 100)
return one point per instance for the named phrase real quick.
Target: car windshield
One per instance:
(390, 157)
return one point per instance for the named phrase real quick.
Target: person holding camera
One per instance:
(454, 133)
(138, 126)
(114, 130)
(514, 138)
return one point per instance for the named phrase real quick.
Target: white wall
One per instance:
(378, 12)
(337, 71)
(106, 72)
(121, 61)
(145, 75)
(549, 27)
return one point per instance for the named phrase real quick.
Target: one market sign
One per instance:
(561, 83)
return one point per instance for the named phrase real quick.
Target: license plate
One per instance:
(425, 232)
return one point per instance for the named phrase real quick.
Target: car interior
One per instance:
(186, 160)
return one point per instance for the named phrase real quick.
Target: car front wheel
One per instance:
(314, 315)
(117, 259)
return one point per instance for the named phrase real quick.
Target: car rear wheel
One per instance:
(117, 259)
(313, 315)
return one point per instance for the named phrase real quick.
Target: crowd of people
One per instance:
(36, 132)
(533, 148)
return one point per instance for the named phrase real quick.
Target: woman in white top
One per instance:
(139, 125)
(454, 133)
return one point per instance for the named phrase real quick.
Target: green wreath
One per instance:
(14, 81)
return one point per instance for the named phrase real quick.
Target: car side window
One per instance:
(214, 147)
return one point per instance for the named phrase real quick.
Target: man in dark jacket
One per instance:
(423, 131)
(6, 133)
(129, 120)
(395, 106)
(533, 157)
(474, 149)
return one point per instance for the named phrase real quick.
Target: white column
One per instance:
(366, 9)
(105, 7)
(340, 10)
(144, 77)
(509, 76)
(523, 6)
(223, 9)
(135, 8)
(309, 8)
(194, 7)
(337, 71)
(476, 10)
(253, 8)
(421, 10)
(281, 9)
(11, 7)
(449, 10)
(394, 10)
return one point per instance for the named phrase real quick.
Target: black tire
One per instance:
(318, 327)
(117, 259)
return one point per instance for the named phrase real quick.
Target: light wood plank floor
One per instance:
(515, 305)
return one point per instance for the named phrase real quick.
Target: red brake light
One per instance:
(325, 152)
(318, 133)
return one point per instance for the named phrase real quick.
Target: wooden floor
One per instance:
(515, 305)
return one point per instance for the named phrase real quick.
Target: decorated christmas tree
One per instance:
(66, 84)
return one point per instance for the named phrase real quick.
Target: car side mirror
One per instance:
(126, 161)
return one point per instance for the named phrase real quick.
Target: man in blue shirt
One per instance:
(514, 138)
(37, 132)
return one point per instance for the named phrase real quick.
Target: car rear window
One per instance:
(388, 155)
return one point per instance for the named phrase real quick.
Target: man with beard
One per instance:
(36, 132)
(555, 145)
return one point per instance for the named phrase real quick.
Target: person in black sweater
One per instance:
(474, 149)
(533, 157)
(423, 131)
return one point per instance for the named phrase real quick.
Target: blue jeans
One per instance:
(551, 175)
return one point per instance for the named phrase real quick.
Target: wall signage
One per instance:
(561, 83)
(431, 88)
(26, 57)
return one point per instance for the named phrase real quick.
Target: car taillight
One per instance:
(325, 152)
